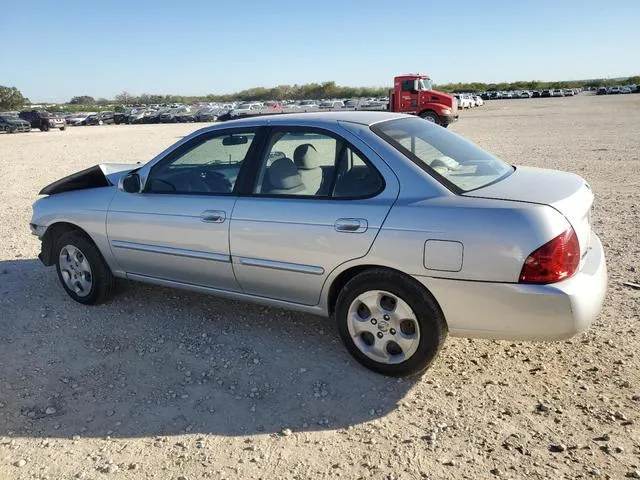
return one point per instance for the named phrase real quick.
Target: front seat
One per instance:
(305, 158)
(284, 178)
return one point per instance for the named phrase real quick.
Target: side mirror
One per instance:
(416, 85)
(130, 183)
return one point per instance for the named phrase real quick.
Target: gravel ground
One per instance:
(172, 385)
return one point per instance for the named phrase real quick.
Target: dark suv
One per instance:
(43, 120)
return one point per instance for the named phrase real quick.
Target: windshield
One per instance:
(457, 163)
(426, 84)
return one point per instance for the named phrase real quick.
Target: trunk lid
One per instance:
(566, 192)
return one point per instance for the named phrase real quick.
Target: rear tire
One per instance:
(402, 328)
(82, 271)
(44, 127)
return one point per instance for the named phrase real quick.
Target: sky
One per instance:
(53, 50)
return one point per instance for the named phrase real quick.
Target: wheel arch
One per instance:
(428, 110)
(343, 278)
(51, 235)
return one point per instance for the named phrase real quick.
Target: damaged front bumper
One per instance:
(37, 230)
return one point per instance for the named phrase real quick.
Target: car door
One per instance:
(408, 96)
(177, 228)
(287, 236)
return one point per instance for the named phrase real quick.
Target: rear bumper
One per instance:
(511, 311)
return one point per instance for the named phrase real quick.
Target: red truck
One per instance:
(412, 93)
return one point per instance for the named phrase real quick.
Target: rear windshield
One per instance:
(457, 163)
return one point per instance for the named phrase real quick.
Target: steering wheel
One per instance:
(206, 180)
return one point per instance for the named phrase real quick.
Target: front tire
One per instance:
(390, 323)
(430, 116)
(44, 127)
(82, 271)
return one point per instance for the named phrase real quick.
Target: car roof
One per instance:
(317, 118)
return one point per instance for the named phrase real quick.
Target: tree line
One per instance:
(11, 98)
(281, 92)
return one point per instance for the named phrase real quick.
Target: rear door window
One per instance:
(310, 162)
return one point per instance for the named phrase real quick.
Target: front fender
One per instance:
(82, 209)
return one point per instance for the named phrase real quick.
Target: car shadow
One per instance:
(155, 361)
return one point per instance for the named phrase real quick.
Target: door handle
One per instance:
(351, 225)
(213, 216)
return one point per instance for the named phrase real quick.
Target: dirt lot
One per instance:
(165, 384)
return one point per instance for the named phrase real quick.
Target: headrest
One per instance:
(283, 174)
(305, 157)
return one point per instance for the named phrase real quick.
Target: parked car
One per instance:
(568, 92)
(375, 104)
(123, 116)
(536, 94)
(43, 120)
(247, 108)
(102, 118)
(557, 92)
(625, 90)
(153, 116)
(139, 115)
(478, 100)
(185, 116)
(546, 93)
(601, 91)
(464, 100)
(11, 123)
(79, 118)
(206, 115)
(614, 90)
(331, 104)
(308, 104)
(169, 116)
(423, 233)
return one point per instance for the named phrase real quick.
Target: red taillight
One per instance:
(556, 260)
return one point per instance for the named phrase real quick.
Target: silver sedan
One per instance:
(400, 230)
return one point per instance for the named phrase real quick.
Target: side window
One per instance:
(407, 85)
(207, 165)
(314, 163)
(429, 154)
(355, 177)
